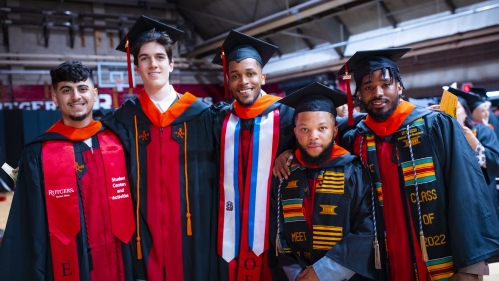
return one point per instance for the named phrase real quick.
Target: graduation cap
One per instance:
(365, 62)
(479, 91)
(472, 100)
(238, 46)
(142, 29)
(315, 97)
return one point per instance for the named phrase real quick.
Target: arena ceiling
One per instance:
(313, 36)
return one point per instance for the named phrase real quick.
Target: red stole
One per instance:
(61, 195)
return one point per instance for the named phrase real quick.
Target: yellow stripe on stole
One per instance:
(327, 238)
(326, 227)
(291, 206)
(293, 214)
(334, 174)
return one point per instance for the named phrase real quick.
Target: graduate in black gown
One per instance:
(323, 210)
(482, 140)
(172, 164)
(72, 215)
(435, 217)
(252, 131)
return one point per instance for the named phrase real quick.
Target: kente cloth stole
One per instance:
(61, 196)
(417, 165)
(263, 147)
(309, 244)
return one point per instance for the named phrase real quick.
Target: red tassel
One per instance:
(129, 63)
(347, 78)
(226, 75)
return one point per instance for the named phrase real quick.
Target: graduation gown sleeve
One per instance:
(489, 141)
(472, 240)
(25, 250)
(355, 250)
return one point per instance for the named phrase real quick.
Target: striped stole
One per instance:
(263, 147)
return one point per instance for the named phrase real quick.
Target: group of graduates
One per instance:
(169, 188)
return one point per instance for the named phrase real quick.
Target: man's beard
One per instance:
(78, 118)
(318, 160)
(379, 116)
(251, 102)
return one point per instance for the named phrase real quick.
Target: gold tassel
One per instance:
(139, 249)
(377, 258)
(423, 246)
(189, 227)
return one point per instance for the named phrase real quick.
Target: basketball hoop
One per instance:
(118, 81)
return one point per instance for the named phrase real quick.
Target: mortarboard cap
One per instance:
(315, 97)
(473, 100)
(365, 62)
(479, 91)
(142, 27)
(238, 46)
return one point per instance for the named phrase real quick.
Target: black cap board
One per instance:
(238, 46)
(473, 100)
(479, 91)
(315, 97)
(143, 26)
(365, 62)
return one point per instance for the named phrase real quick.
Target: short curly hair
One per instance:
(160, 37)
(73, 71)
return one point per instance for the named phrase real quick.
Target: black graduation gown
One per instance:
(488, 139)
(199, 260)
(494, 121)
(25, 253)
(471, 235)
(352, 212)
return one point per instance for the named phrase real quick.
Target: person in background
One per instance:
(342, 111)
(481, 139)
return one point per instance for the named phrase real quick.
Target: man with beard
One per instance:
(171, 162)
(71, 216)
(435, 219)
(254, 129)
(323, 209)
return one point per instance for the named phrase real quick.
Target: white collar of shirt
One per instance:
(89, 143)
(166, 102)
